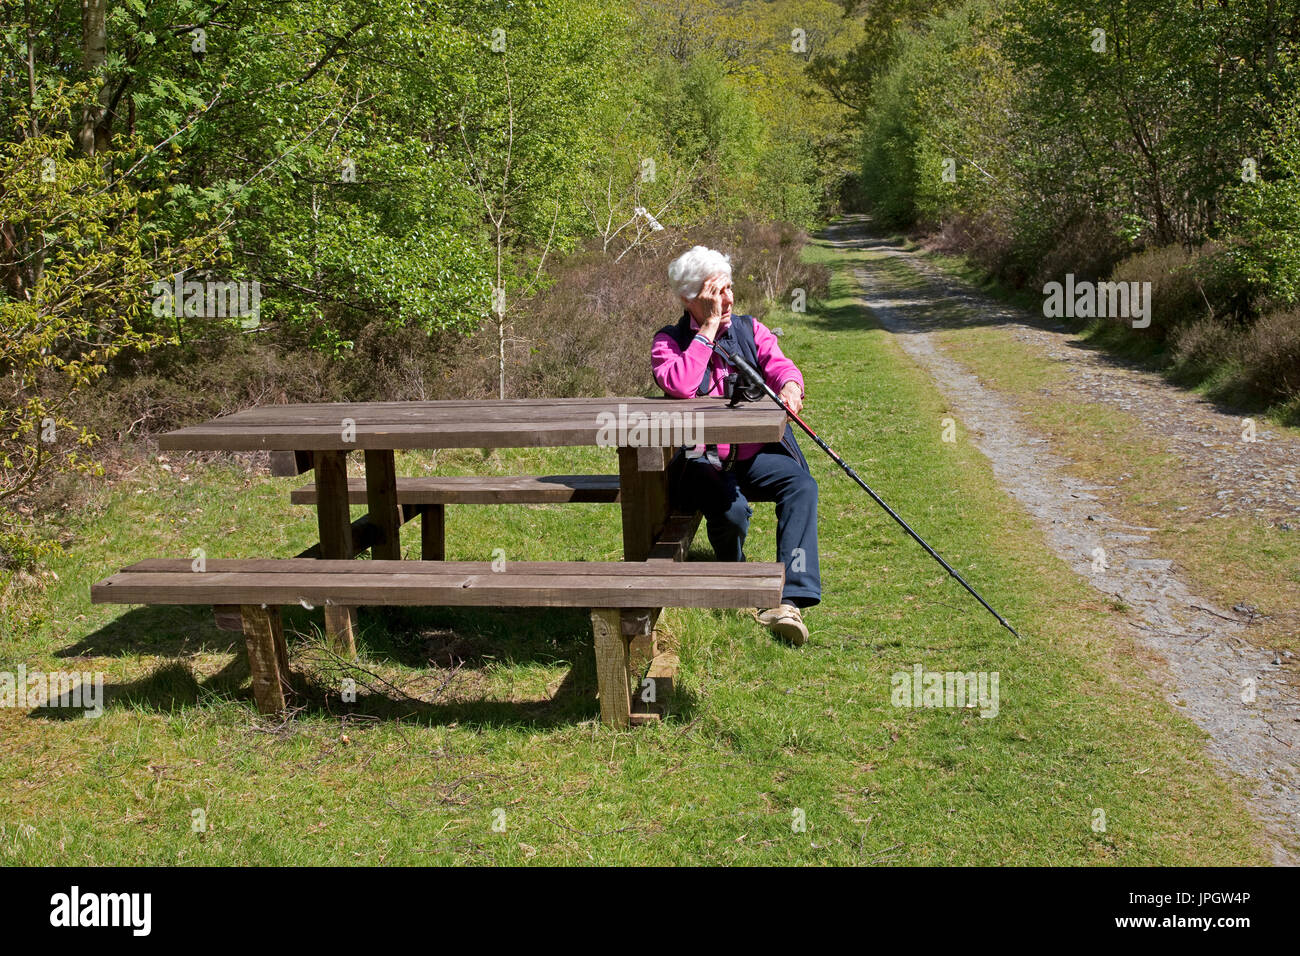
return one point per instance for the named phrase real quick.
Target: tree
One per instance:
(1267, 206)
(527, 127)
(77, 259)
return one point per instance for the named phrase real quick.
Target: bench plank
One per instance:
(474, 490)
(454, 584)
(561, 569)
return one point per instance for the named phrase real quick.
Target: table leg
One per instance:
(381, 496)
(335, 523)
(643, 496)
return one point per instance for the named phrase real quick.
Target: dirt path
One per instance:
(1207, 660)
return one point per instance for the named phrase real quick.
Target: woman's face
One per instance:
(701, 306)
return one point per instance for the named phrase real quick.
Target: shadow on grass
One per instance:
(166, 689)
(162, 629)
(461, 647)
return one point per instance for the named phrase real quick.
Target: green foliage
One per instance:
(1080, 128)
(1099, 137)
(704, 117)
(76, 261)
(1268, 210)
(730, 90)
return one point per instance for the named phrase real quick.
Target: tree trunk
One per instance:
(94, 51)
(501, 354)
(499, 301)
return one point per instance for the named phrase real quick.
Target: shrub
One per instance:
(1187, 285)
(1081, 242)
(1199, 348)
(986, 242)
(1270, 356)
(74, 259)
(589, 333)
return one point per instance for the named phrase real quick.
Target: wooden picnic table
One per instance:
(319, 437)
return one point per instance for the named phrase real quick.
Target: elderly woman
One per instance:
(722, 480)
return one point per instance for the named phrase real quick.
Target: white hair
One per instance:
(689, 270)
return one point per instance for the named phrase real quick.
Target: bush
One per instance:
(1080, 241)
(561, 354)
(1200, 348)
(1187, 285)
(985, 242)
(1270, 356)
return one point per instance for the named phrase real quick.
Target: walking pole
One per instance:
(752, 374)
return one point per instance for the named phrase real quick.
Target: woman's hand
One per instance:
(792, 395)
(711, 297)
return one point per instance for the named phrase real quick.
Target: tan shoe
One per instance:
(785, 622)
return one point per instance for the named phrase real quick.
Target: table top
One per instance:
(512, 423)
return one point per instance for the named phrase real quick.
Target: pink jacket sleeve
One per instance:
(777, 369)
(678, 373)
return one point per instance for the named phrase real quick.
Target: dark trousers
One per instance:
(724, 497)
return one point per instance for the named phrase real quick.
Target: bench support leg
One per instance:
(652, 692)
(433, 532)
(611, 667)
(652, 696)
(228, 617)
(638, 626)
(268, 657)
(341, 628)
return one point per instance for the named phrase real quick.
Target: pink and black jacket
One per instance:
(685, 366)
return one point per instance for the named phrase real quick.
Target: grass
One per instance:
(763, 736)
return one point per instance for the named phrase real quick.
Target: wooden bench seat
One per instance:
(622, 596)
(427, 497)
(475, 490)
(444, 583)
